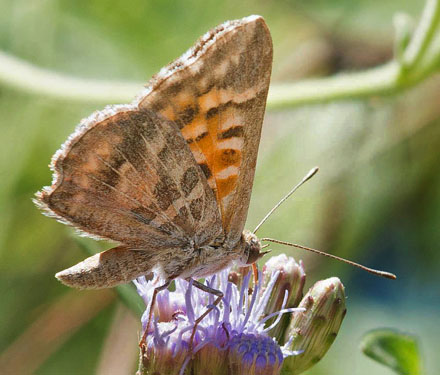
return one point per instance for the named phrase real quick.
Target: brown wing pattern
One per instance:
(128, 175)
(216, 94)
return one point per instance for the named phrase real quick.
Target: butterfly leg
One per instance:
(255, 271)
(206, 289)
(142, 343)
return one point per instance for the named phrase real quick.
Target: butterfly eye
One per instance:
(254, 254)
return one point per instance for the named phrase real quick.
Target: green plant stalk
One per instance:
(423, 35)
(23, 76)
(382, 80)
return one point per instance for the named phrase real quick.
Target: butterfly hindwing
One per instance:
(129, 176)
(216, 94)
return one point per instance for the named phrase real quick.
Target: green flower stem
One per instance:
(420, 59)
(378, 81)
(23, 76)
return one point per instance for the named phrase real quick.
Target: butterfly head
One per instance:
(250, 249)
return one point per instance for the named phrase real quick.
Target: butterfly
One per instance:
(169, 176)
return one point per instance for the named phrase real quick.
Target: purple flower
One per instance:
(234, 338)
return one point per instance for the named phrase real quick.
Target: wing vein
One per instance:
(158, 211)
(174, 180)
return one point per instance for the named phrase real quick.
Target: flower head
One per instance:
(233, 338)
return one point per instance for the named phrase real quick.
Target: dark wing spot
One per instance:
(205, 169)
(196, 208)
(212, 113)
(171, 90)
(229, 157)
(145, 123)
(198, 138)
(235, 131)
(187, 115)
(201, 136)
(189, 180)
(164, 155)
(166, 192)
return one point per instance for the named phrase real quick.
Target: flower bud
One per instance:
(165, 353)
(313, 331)
(291, 278)
(252, 354)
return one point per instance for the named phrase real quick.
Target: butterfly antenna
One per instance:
(387, 275)
(308, 176)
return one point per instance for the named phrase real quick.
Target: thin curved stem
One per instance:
(21, 75)
(383, 80)
(423, 34)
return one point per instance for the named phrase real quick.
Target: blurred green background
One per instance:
(376, 199)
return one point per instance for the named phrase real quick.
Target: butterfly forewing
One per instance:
(216, 94)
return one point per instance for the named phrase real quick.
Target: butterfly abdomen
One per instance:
(107, 269)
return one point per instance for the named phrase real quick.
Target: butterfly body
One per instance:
(169, 177)
(121, 265)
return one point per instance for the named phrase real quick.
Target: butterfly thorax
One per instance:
(207, 260)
